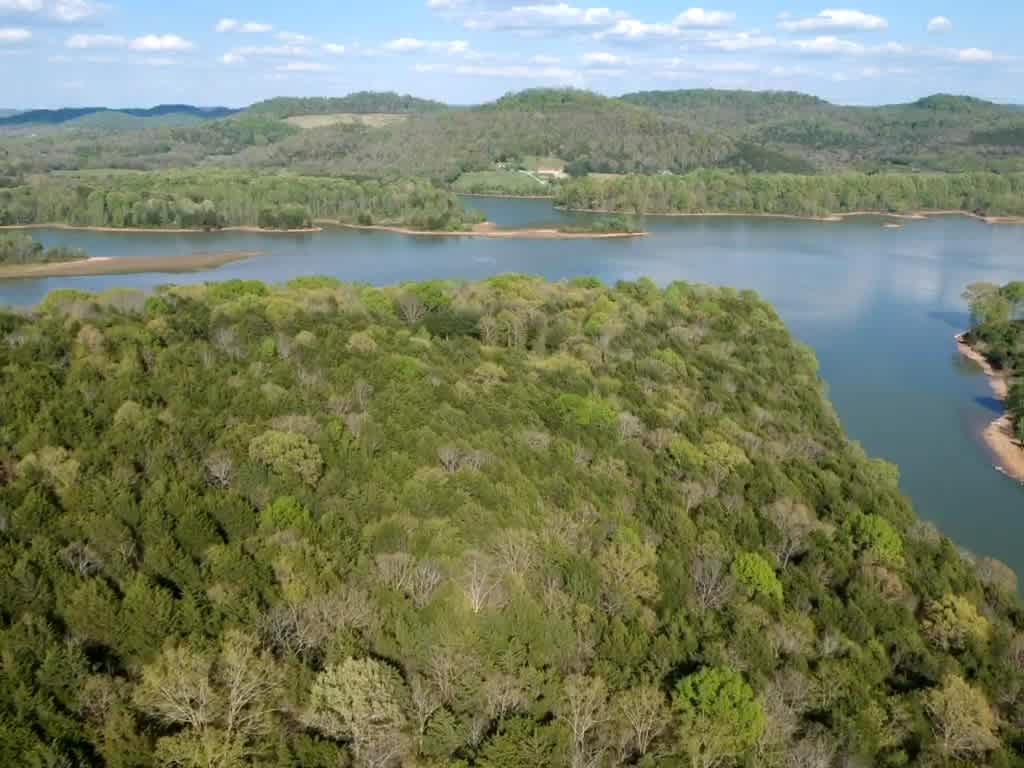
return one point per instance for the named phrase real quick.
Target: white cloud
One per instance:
(601, 59)
(232, 58)
(14, 35)
(271, 50)
(939, 24)
(543, 18)
(234, 25)
(62, 11)
(82, 42)
(974, 55)
(846, 20)
(548, 61)
(256, 27)
(161, 43)
(303, 66)
(413, 45)
(828, 45)
(698, 18)
(631, 30)
(741, 41)
(443, 5)
(334, 48)
(227, 25)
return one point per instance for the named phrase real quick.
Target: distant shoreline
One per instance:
(164, 230)
(831, 218)
(999, 436)
(101, 265)
(489, 231)
(496, 196)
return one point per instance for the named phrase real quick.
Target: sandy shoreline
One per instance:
(488, 231)
(164, 230)
(999, 436)
(104, 265)
(832, 218)
(497, 196)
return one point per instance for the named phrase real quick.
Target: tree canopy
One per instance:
(500, 524)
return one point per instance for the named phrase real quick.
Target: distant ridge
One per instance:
(68, 114)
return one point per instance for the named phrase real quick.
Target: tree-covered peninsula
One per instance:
(215, 199)
(716, 191)
(499, 525)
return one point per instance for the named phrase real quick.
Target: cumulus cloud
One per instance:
(227, 25)
(232, 58)
(698, 18)
(14, 35)
(82, 42)
(414, 45)
(602, 59)
(543, 18)
(61, 11)
(974, 55)
(827, 45)
(334, 48)
(290, 51)
(832, 19)
(939, 24)
(257, 27)
(172, 43)
(521, 72)
(741, 41)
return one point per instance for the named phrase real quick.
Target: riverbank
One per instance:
(489, 231)
(499, 196)
(164, 230)
(831, 218)
(101, 265)
(999, 436)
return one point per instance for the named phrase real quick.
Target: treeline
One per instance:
(16, 249)
(502, 525)
(998, 333)
(214, 199)
(721, 191)
(363, 102)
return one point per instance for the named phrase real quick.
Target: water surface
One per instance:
(878, 306)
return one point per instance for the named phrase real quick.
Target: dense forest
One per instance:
(214, 199)
(723, 191)
(19, 249)
(507, 525)
(364, 102)
(650, 132)
(998, 333)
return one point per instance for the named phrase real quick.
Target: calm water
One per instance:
(878, 306)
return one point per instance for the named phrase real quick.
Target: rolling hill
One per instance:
(48, 117)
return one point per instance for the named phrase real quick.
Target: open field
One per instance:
(378, 120)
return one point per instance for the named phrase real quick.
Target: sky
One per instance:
(137, 53)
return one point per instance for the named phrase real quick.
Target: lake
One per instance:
(878, 306)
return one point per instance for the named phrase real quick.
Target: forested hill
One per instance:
(498, 525)
(381, 134)
(364, 102)
(61, 116)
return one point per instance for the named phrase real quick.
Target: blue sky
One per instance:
(143, 52)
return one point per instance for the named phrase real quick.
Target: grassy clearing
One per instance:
(348, 118)
(501, 183)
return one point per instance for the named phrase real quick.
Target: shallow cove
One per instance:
(878, 306)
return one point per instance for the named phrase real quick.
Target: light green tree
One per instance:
(364, 702)
(288, 453)
(719, 717)
(223, 702)
(756, 575)
(962, 720)
(953, 621)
